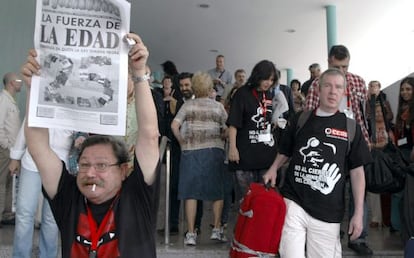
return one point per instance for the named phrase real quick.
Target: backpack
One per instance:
(259, 224)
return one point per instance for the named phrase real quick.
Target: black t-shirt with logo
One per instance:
(319, 164)
(248, 116)
(130, 229)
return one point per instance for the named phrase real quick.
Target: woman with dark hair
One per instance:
(262, 71)
(404, 139)
(404, 127)
(252, 147)
(170, 70)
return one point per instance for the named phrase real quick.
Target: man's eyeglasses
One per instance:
(99, 167)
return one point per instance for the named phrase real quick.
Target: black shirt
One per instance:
(134, 216)
(319, 164)
(245, 115)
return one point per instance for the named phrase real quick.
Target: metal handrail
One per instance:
(165, 149)
(163, 146)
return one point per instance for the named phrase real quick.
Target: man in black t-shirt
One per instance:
(102, 212)
(315, 179)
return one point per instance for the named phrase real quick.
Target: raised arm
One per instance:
(146, 149)
(37, 139)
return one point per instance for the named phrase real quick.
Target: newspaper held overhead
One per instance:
(84, 66)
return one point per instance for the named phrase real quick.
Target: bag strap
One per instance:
(351, 129)
(221, 74)
(303, 117)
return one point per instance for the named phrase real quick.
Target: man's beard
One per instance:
(187, 94)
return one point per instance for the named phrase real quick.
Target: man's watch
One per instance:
(143, 78)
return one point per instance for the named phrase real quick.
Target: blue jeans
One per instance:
(27, 200)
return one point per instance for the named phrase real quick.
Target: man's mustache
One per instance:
(87, 182)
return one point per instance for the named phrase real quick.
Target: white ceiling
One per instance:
(378, 33)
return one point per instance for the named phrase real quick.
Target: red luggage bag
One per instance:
(259, 223)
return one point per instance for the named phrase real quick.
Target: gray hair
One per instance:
(314, 66)
(331, 71)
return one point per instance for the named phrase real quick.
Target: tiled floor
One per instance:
(381, 240)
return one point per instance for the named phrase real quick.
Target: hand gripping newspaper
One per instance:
(84, 65)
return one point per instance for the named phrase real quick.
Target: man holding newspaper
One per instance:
(102, 212)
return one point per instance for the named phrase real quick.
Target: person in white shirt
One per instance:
(9, 126)
(221, 77)
(30, 186)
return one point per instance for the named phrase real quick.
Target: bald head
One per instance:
(7, 78)
(12, 83)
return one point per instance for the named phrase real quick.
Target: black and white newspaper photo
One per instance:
(84, 65)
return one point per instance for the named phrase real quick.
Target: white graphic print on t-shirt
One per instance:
(319, 175)
(263, 132)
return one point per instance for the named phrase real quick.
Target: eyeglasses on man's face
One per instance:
(99, 167)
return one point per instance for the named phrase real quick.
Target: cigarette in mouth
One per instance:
(93, 187)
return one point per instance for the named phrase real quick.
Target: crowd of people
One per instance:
(224, 136)
(254, 139)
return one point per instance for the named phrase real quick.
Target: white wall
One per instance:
(16, 30)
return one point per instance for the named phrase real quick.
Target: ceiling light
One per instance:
(204, 6)
(213, 50)
(290, 30)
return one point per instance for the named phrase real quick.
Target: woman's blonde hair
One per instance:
(202, 84)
